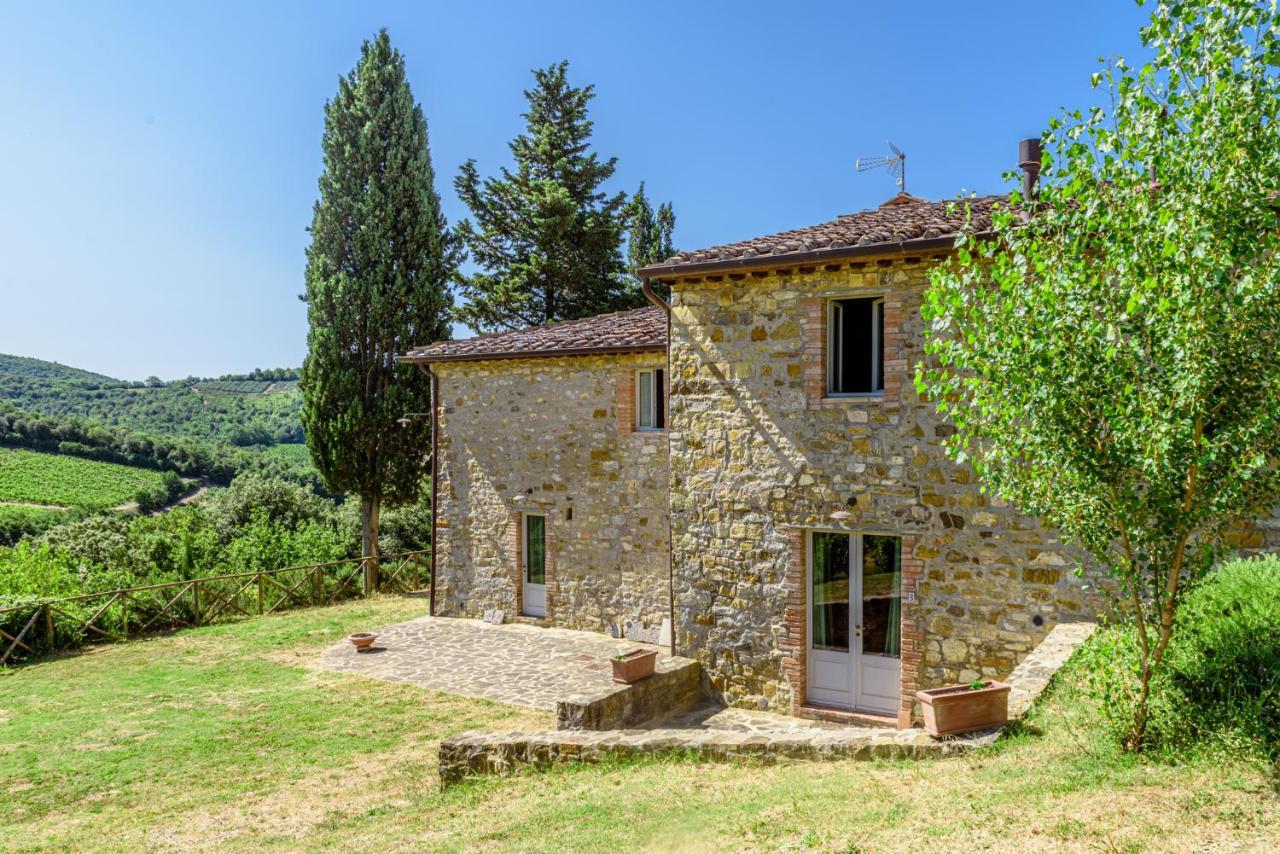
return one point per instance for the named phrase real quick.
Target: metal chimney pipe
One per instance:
(1029, 162)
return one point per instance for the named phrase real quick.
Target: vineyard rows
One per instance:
(54, 479)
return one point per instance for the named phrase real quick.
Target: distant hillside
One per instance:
(40, 370)
(262, 408)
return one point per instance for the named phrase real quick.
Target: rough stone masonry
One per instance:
(760, 456)
(552, 436)
(710, 521)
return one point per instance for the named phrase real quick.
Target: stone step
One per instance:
(675, 686)
(475, 753)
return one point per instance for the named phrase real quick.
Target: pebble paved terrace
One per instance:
(514, 663)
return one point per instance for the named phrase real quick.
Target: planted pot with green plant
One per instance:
(953, 709)
(633, 665)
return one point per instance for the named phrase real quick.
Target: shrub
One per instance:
(1224, 672)
(29, 572)
(285, 503)
(1221, 685)
(17, 522)
(265, 544)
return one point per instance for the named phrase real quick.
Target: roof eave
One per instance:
(813, 256)
(427, 358)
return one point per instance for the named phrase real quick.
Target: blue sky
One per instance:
(158, 161)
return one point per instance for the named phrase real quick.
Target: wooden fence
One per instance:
(40, 628)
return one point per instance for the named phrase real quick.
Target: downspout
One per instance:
(653, 297)
(435, 471)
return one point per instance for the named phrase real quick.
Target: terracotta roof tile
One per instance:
(620, 332)
(900, 219)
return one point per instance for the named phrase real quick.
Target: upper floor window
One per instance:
(855, 346)
(650, 400)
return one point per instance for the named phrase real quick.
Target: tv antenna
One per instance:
(896, 164)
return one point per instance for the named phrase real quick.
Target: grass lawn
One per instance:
(222, 737)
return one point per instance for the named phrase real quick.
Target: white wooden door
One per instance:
(534, 583)
(854, 587)
(878, 669)
(830, 675)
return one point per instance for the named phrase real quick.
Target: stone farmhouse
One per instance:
(748, 462)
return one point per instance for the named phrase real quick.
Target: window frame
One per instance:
(834, 349)
(656, 403)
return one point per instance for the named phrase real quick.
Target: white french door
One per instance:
(534, 561)
(854, 592)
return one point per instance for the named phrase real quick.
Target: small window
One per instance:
(855, 346)
(650, 400)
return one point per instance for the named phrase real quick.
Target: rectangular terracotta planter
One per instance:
(955, 709)
(634, 665)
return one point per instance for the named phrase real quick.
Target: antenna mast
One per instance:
(896, 163)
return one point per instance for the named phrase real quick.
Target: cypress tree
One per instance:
(378, 271)
(548, 240)
(648, 232)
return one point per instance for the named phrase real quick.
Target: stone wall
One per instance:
(546, 436)
(760, 456)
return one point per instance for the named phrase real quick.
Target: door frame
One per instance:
(523, 562)
(856, 700)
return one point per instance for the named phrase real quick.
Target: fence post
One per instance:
(124, 615)
(195, 600)
(260, 594)
(368, 576)
(48, 624)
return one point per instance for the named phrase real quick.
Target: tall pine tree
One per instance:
(548, 240)
(648, 232)
(378, 272)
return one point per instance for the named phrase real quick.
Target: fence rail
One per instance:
(41, 628)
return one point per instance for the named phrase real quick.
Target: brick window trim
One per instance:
(814, 354)
(515, 525)
(793, 643)
(625, 403)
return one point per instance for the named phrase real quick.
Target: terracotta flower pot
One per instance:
(363, 640)
(634, 665)
(958, 708)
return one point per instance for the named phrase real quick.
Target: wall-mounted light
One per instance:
(841, 516)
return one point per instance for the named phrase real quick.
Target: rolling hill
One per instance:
(262, 408)
(50, 372)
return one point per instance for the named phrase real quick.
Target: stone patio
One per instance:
(523, 665)
(730, 735)
(569, 672)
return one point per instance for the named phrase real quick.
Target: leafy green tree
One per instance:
(1111, 360)
(648, 232)
(377, 283)
(548, 240)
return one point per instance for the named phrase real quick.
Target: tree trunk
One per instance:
(1152, 658)
(369, 509)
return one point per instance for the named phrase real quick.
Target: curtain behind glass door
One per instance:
(535, 531)
(881, 595)
(830, 593)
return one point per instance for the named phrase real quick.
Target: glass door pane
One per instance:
(830, 594)
(881, 595)
(535, 538)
